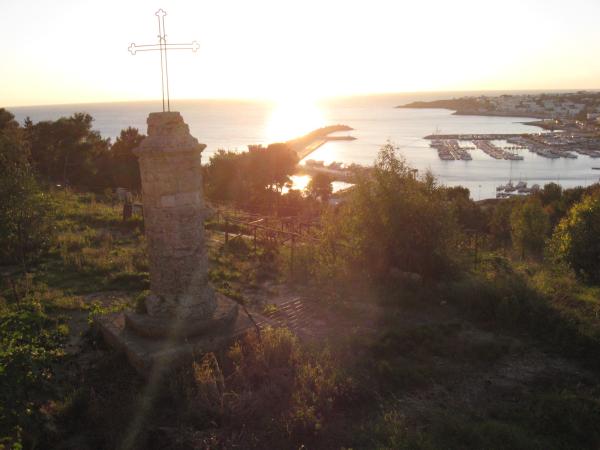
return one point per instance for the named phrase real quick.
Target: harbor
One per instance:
(546, 145)
(402, 127)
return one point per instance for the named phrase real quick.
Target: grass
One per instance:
(94, 249)
(97, 264)
(236, 267)
(547, 303)
(469, 363)
(93, 252)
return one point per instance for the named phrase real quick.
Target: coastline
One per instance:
(499, 114)
(468, 112)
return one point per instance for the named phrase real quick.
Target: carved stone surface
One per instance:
(171, 174)
(184, 317)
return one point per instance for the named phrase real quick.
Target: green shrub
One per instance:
(201, 387)
(391, 221)
(501, 297)
(238, 246)
(267, 386)
(31, 347)
(575, 240)
(25, 211)
(529, 226)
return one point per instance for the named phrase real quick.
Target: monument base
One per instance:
(159, 327)
(150, 355)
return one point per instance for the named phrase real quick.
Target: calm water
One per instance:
(235, 124)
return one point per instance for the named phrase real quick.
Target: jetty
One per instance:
(496, 152)
(305, 145)
(449, 150)
(345, 175)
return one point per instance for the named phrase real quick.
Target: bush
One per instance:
(273, 390)
(391, 221)
(31, 346)
(24, 210)
(575, 240)
(529, 226)
(201, 387)
(499, 296)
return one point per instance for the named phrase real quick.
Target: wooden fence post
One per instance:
(292, 256)
(476, 256)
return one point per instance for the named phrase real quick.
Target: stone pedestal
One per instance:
(171, 173)
(152, 357)
(182, 305)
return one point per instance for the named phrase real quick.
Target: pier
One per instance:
(307, 144)
(496, 152)
(449, 150)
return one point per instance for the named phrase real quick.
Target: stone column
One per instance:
(181, 300)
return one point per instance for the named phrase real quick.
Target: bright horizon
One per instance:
(76, 51)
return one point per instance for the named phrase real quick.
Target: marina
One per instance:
(546, 145)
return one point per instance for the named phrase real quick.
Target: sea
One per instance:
(234, 124)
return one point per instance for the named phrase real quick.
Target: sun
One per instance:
(293, 117)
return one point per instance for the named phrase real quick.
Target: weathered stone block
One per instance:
(171, 172)
(184, 315)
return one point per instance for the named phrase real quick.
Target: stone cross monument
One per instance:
(181, 303)
(182, 316)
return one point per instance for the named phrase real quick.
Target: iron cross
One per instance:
(162, 46)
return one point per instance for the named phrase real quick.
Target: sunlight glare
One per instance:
(293, 118)
(328, 153)
(299, 183)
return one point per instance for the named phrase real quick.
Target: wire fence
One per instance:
(282, 232)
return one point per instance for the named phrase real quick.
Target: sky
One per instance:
(75, 51)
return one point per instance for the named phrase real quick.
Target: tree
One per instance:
(320, 186)
(499, 223)
(252, 179)
(550, 193)
(391, 221)
(529, 226)
(468, 214)
(24, 209)
(124, 167)
(7, 121)
(224, 178)
(68, 151)
(270, 167)
(575, 240)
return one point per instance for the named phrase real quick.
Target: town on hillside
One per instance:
(570, 110)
